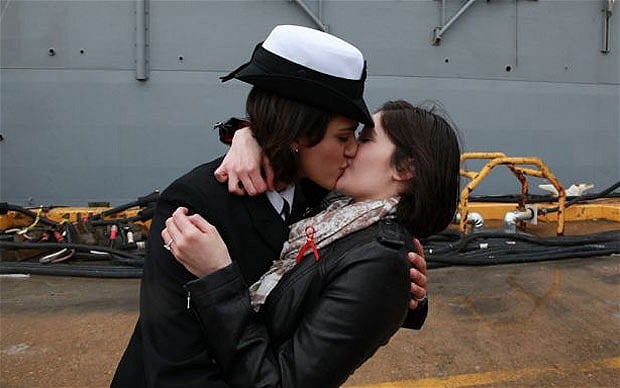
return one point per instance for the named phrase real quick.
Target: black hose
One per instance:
(485, 259)
(143, 215)
(459, 245)
(536, 198)
(445, 249)
(80, 247)
(62, 269)
(6, 207)
(505, 248)
(582, 198)
(141, 202)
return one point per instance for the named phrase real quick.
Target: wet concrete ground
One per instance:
(539, 324)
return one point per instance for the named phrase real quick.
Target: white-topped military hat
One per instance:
(309, 66)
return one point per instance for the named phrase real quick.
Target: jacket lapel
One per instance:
(266, 221)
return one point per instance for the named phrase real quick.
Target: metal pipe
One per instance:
(511, 219)
(438, 32)
(141, 41)
(473, 218)
(607, 26)
(312, 15)
(443, 12)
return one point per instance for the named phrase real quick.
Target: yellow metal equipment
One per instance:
(514, 164)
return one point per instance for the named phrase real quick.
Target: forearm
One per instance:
(234, 332)
(171, 343)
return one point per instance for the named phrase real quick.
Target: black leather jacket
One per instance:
(320, 323)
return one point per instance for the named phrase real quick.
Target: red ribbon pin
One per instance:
(309, 244)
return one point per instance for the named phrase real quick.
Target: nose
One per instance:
(351, 148)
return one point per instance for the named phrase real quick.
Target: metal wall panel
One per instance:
(84, 34)
(78, 127)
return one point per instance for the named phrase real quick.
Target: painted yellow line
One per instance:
(476, 379)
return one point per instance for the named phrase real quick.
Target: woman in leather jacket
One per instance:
(340, 288)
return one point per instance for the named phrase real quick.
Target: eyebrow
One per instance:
(369, 128)
(347, 129)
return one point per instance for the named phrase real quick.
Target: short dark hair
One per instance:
(278, 121)
(427, 146)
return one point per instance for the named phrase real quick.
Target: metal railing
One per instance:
(515, 165)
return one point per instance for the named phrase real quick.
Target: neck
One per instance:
(375, 197)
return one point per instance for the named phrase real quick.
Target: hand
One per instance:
(417, 274)
(195, 243)
(243, 164)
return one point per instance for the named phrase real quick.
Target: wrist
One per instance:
(227, 129)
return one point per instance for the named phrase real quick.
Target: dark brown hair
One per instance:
(277, 122)
(427, 146)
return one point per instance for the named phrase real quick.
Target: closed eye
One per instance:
(367, 134)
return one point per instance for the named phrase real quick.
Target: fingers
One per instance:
(234, 185)
(221, 175)
(167, 239)
(417, 292)
(253, 182)
(242, 165)
(226, 173)
(417, 275)
(417, 258)
(197, 244)
(202, 224)
(418, 262)
(177, 227)
(181, 220)
(244, 181)
(168, 235)
(419, 249)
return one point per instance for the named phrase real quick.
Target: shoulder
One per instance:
(199, 176)
(383, 245)
(384, 236)
(200, 181)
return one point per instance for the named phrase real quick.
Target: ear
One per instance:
(402, 176)
(404, 173)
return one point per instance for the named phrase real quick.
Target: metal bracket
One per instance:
(534, 209)
(607, 12)
(142, 40)
(439, 31)
(316, 19)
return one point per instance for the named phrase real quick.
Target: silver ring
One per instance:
(422, 299)
(168, 245)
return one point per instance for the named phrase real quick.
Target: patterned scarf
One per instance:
(341, 218)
